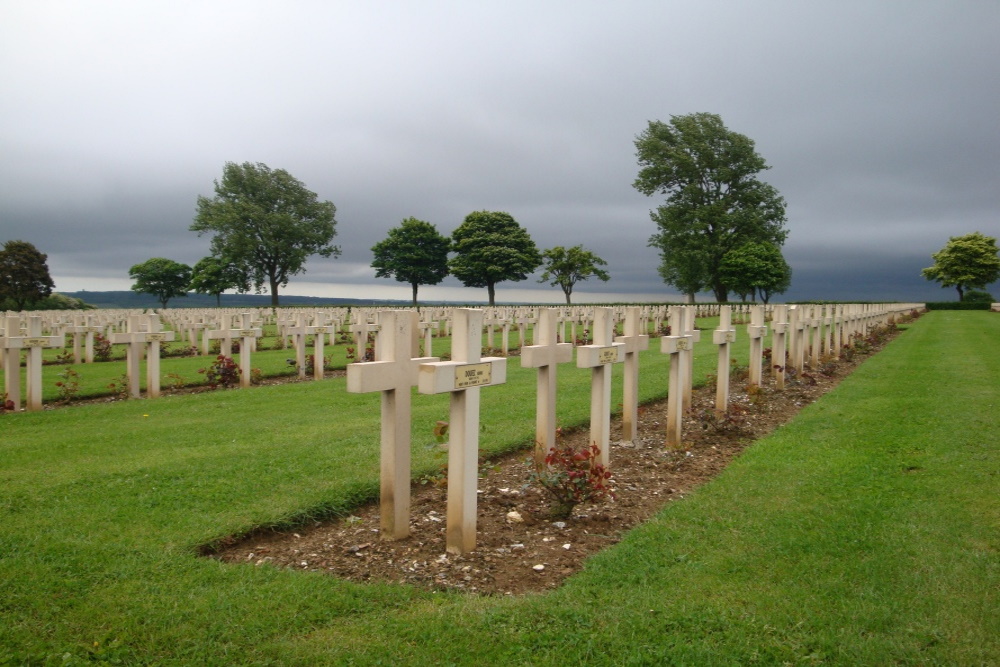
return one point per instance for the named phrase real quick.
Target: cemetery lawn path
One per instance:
(866, 531)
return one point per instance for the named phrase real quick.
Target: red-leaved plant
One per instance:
(573, 476)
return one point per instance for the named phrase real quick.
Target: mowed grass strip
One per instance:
(864, 532)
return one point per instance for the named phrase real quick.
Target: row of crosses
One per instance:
(397, 370)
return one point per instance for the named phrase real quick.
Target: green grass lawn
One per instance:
(864, 532)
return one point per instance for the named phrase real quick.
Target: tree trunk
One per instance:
(691, 298)
(567, 292)
(492, 290)
(721, 293)
(961, 293)
(274, 290)
(415, 285)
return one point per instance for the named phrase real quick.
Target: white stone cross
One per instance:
(523, 320)
(545, 355)
(757, 330)
(462, 378)
(394, 374)
(154, 336)
(723, 337)
(13, 342)
(87, 331)
(675, 346)
(795, 332)
(634, 342)
(694, 336)
(224, 334)
(135, 338)
(779, 329)
(599, 357)
(248, 339)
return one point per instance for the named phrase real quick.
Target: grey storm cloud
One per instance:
(878, 120)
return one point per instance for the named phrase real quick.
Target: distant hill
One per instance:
(129, 299)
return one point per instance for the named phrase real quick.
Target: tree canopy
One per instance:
(756, 268)
(715, 202)
(24, 274)
(491, 247)
(566, 267)
(212, 275)
(965, 262)
(266, 223)
(414, 253)
(161, 277)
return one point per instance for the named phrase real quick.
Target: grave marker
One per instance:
(675, 346)
(545, 355)
(724, 336)
(393, 374)
(13, 342)
(634, 342)
(779, 327)
(757, 330)
(463, 377)
(248, 340)
(599, 357)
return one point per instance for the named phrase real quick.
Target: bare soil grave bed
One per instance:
(520, 548)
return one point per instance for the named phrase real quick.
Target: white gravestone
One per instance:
(689, 314)
(13, 342)
(394, 374)
(135, 338)
(675, 346)
(779, 330)
(757, 330)
(599, 357)
(634, 342)
(545, 355)
(463, 377)
(724, 336)
(248, 341)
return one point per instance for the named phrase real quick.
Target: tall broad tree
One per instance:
(965, 262)
(414, 252)
(568, 266)
(715, 200)
(24, 274)
(491, 247)
(756, 268)
(267, 223)
(163, 278)
(212, 275)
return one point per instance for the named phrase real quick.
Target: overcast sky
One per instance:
(880, 120)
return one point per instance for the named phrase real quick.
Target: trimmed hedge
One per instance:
(958, 305)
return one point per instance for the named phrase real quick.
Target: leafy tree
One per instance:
(685, 267)
(214, 276)
(24, 274)
(413, 253)
(161, 277)
(566, 267)
(965, 262)
(266, 223)
(491, 247)
(715, 202)
(756, 268)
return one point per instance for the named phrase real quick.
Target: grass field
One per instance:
(867, 531)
